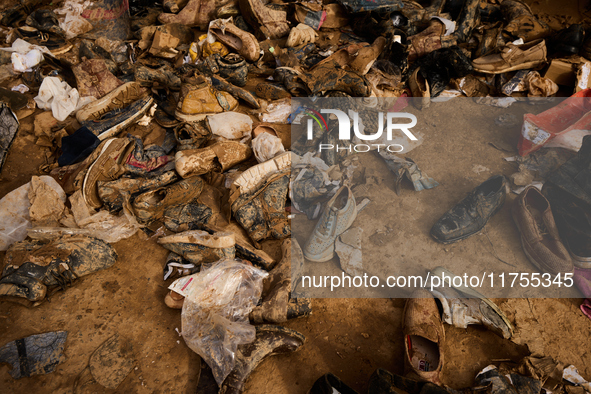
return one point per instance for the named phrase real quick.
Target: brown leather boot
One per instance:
(271, 23)
(196, 13)
(426, 41)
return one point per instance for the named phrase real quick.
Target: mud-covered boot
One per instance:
(258, 196)
(113, 194)
(331, 77)
(164, 76)
(200, 247)
(31, 267)
(8, 127)
(270, 340)
(277, 305)
(243, 94)
(522, 22)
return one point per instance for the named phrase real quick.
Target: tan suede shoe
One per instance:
(512, 58)
(423, 337)
(539, 234)
(426, 41)
(198, 99)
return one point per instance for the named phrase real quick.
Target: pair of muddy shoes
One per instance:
(33, 269)
(423, 328)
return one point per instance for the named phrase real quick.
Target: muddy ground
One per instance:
(348, 337)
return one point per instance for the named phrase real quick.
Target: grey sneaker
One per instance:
(338, 215)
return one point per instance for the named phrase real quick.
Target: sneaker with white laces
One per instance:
(338, 215)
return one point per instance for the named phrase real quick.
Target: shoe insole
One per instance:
(423, 353)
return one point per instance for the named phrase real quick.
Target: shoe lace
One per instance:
(327, 224)
(64, 276)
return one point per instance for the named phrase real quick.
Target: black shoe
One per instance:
(190, 216)
(232, 68)
(472, 213)
(574, 176)
(54, 43)
(329, 384)
(385, 382)
(71, 257)
(569, 40)
(440, 66)
(112, 123)
(46, 21)
(573, 222)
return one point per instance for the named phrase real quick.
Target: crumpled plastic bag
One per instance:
(14, 212)
(231, 125)
(215, 312)
(266, 146)
(60, 98)
(70, 19)
(26, 62)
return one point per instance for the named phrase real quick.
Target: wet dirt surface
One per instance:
(348, 337)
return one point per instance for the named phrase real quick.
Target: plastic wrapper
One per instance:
(215, 312)
(266, 146)
(25, 62)
(60, 98)
(231, 125)
(70, 19)
(14, 212)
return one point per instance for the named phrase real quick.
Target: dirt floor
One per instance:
(348, 337)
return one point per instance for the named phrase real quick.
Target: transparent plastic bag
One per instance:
(215, 312)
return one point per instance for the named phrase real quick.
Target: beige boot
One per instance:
(196, 13)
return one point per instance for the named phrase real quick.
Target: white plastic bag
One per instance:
(231, 125)
(14, 212)
(60, 98)
(215, 312)
(25, 62)
(266, 146)
(70, 19)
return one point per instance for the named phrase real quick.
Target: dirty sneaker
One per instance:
(199, 247)
(119, 98)
(150, 206)
(191, 135)
(31, 267)
(113, 194)
(112, 123)
(220, 157)
(338, 215)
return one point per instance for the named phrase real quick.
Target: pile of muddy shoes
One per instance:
(171, 122)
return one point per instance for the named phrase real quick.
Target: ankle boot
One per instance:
(522, 22)
(270, 340)
(223, 85)
(163, 76)
(27, 274)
